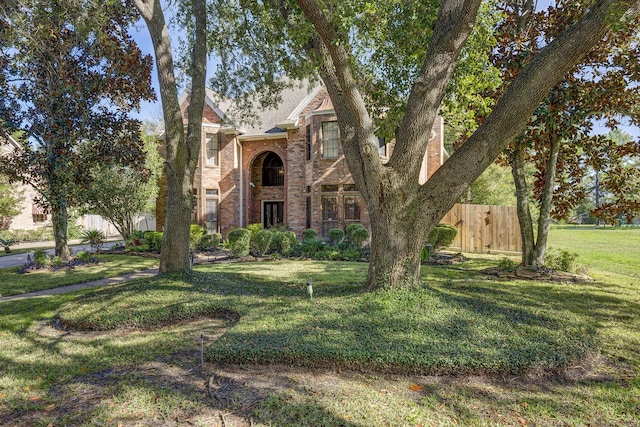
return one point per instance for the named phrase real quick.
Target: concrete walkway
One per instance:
(70, 288)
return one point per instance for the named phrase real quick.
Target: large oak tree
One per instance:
(402, 211)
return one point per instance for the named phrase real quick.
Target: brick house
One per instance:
(32, 215)
(288, 169)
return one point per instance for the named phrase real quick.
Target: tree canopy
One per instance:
(559, 140)
(391, 63)
(69, 75)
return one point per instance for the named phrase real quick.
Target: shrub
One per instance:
(311, 247)
(137, 234)
(561, 260)
(56, 261)
(357, 234)
(254, 229)
(239, 241)
(350, 254)
(262, 241)
(40, 258)
(95, 238)
(336, 236)
(508, 265)
(309, 234)
(210, 241)
(84, 256)
(287, 242)
(195, 235)
(6, 243)
(153, 240)
(442, 236)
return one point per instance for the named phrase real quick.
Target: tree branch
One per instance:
(454, 24)
(510, 116)
(343, 88)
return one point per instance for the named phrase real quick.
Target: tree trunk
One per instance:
(396, 246)
(546, 203)
(181, 153)
(391, 237)
(59, 218)
(522, 204)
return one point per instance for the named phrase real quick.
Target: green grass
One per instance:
(444, 328)
(13, 283)
(460, 322)
(20, 251)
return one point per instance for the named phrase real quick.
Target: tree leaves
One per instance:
(72, 74)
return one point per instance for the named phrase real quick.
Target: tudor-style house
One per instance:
(289, 169)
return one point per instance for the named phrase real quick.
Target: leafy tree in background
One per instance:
(616, 179)
(69, 76)
(395, 60)
(181, 151)
(493, 187)
(121, 193)
(558, 140)
(10, 202)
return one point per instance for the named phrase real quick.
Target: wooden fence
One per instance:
(485, 228)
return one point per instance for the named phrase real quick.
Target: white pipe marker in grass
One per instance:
(201, 351)
(310, 288)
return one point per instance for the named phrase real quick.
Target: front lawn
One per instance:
(540, 353)
(13, 283)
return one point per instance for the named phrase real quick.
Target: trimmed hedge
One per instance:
(442, 236)
(239, 241)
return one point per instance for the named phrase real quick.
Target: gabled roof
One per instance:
(286, 114)
(267, 121)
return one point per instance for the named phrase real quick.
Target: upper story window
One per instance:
(272, 170)
(330, 140)
(213, 149)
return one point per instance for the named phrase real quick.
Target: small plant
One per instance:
(137, 234)
(336, 236)
(56, 261)
(561, 260)
(239, 242)
(195, 235)
(40, 258)
(95, 238)
(7, 243)
(262, 241)
(84, 256)
(284, 241)
(508, 265)
(254, 229)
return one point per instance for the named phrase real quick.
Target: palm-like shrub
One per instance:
(95, 238)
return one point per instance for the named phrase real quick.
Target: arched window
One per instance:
(272, 171)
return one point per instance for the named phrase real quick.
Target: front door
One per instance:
(273, 214)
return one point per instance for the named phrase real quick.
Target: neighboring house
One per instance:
(287, 170)
(31, 215)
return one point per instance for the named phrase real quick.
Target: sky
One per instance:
(153, 110)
